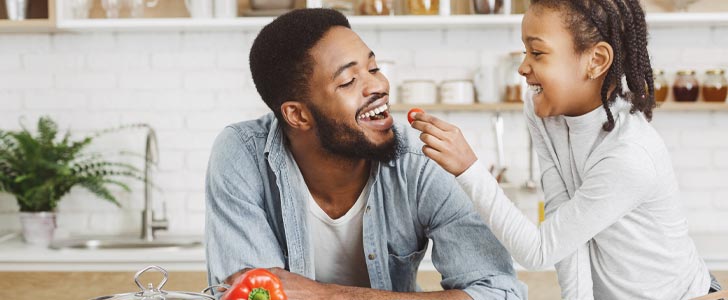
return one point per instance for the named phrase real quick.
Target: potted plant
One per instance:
(39, 169)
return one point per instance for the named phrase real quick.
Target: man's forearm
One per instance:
(357, 293)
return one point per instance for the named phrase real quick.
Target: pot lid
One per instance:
(157, 293)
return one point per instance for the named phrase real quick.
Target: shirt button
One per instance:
(368, 208)
(372, 256)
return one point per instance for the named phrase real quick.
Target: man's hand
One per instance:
(444, 143)
(299, 287)
(230, 279)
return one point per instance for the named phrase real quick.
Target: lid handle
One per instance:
(161, 284)
(221, 285)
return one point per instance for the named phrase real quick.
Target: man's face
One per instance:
(349, 99)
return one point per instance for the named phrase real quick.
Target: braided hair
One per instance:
(621, 24)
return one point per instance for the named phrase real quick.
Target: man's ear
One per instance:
(601, 59)
(297, 115)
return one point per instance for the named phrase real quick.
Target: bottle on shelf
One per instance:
(715, 86)
(686, 87)
(661, 85)
(515, 84)
(423, 7)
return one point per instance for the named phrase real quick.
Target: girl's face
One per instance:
(557, 75)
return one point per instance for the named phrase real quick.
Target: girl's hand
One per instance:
(444, 143)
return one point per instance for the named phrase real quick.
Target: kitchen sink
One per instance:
(99, 243)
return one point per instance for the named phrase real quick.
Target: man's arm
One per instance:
(237, 232)
(298, 287)
(465, 251)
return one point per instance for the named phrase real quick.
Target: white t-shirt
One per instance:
(338, 249)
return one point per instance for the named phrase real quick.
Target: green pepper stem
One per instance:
(259, 294)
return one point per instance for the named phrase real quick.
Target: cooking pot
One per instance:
(157, 293)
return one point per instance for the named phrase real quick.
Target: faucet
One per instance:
(151, 159)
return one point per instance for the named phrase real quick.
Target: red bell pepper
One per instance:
(256, 284)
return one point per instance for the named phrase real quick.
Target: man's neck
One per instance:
(334, 182)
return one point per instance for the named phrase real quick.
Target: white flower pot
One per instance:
(38, 227)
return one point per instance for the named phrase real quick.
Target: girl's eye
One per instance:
(348, 83)
(374, 71)
(536, 53)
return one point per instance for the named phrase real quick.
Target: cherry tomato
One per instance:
(412, 112)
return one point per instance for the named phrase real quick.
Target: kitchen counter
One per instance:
(28, 273)
(17, 256)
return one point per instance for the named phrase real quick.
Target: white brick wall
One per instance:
(188, 86)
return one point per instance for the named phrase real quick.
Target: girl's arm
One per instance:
(445, 144)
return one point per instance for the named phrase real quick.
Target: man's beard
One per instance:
(342, 140)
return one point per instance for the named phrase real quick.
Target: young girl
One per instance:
(614, 226)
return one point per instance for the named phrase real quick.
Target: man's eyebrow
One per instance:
(346, 66)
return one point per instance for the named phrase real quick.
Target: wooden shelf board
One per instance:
(29, 25)
(461, 107)
(364, 22)
(667, 106)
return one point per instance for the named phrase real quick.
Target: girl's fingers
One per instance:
(433, 141)
(445, 126)
(429, 128)
(432, 153)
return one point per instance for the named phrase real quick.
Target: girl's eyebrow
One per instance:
(533, 38)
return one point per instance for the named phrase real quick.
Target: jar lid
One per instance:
(715, 72)
(656, 72)
(156, 293)
(686, 72)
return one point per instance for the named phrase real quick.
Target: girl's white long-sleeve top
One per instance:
(614, 224)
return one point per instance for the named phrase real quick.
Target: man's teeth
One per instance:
(374, 112)
(535, 88)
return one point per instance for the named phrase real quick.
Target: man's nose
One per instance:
(375, 83)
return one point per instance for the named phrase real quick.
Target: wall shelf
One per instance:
(41, 17)
(509, 107)
(362, 22)
(32, 25)
(479, 107)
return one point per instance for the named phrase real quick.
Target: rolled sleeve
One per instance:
(465, 251)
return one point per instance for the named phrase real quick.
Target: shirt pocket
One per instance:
(403, 270)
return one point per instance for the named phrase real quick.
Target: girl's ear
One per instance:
(601, 59)
(297, 115)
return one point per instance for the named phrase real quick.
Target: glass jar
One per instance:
(661, 85)
(423, 7)
(519, 6)
(715, 86)
(514, 83)
(345, 7)
(489, 6)
(686, 87)
(376, 7)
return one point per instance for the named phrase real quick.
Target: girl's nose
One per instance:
(524, 69)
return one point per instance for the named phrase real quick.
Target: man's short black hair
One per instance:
(279, 59)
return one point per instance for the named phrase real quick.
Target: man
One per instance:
(328, 189)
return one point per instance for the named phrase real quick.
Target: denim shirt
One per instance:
(256, 217)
